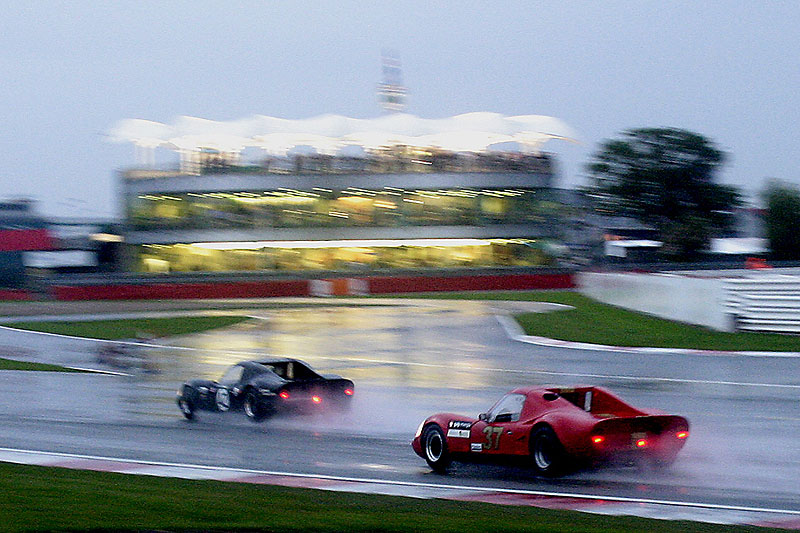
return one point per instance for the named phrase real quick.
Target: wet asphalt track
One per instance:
(408, 362)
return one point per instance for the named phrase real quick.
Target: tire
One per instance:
(547, 453)
(434, 446)
(252, 407)
(186, 407)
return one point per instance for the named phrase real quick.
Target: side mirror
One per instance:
(483, 416)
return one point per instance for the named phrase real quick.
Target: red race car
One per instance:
(557, 428)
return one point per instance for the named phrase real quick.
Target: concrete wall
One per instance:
(694, 300)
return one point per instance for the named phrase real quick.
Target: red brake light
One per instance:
(348, 392)
(598, 439)
(641, 443)
(316, 399)
(284, 394)
(682, 434)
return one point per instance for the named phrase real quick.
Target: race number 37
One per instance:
(492, 437)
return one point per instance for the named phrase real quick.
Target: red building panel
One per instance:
(16, 240)
(267, 289)
(14, 294)
(470, 283)
(183, 291)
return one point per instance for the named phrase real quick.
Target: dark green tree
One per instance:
(782, 220)
(665, 177)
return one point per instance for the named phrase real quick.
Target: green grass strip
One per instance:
(598, 323)
(60, 499)
(130, 328)
(10, 364)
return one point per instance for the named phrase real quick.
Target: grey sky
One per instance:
(728, 70)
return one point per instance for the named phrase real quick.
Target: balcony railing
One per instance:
(390, 162)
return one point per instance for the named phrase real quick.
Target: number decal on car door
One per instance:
(223, 399)
(492, 437)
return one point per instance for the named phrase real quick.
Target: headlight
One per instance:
(419, 429)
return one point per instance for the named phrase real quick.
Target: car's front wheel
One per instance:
(252, 407)
(186, 407)
(434, 445)
(546, 451)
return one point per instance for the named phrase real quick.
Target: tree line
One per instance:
(667, 178)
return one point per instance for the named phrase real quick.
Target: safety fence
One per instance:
(674, 296)
(722, 300)
(764, 303)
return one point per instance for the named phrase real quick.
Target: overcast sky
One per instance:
(728, 70)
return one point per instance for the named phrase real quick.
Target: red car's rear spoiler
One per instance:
(653, 425)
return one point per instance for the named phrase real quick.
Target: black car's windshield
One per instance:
(292, 370)
(232, 376)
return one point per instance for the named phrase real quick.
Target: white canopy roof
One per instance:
(328, 134)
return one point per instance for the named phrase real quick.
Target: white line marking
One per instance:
(98, 371)
(466, 488)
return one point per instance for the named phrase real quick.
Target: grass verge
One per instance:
(61, 499)
(598, 323)
(129, 328)
(11, 364)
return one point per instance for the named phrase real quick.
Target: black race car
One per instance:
(264, 388)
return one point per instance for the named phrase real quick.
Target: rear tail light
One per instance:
(316, 399)
(682, 434)
(284, 394)
(598, 439)
(641, 443)
(348, 392)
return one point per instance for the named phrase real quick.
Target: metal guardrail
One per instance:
(764, 303)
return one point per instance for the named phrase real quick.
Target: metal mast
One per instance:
(391, 93)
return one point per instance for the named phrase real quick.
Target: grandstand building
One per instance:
(344, 194)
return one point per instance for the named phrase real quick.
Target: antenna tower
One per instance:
(391, 93)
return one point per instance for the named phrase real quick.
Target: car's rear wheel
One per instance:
(547, 452)
(434, 445)
(186, 407)
(252, 407)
